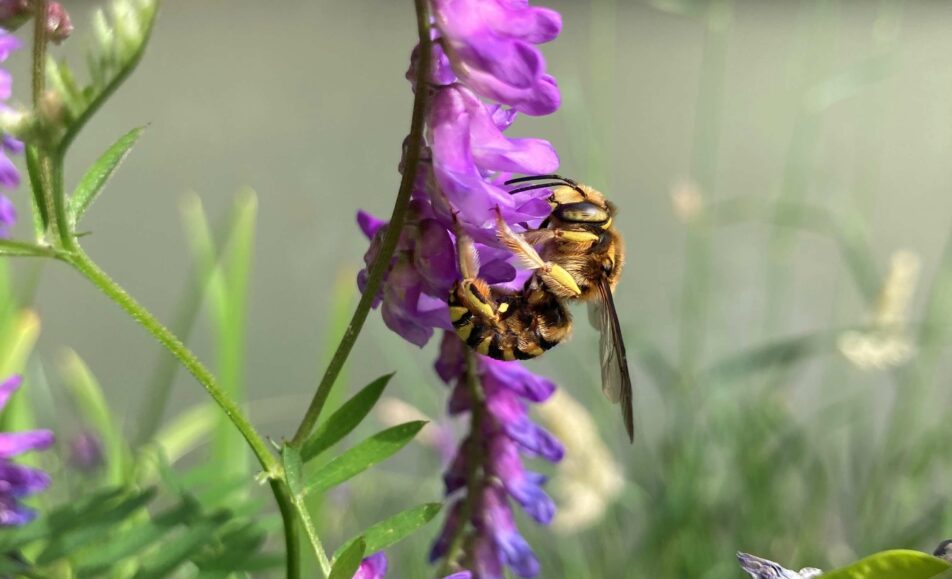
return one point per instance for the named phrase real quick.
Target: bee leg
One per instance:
(552, 272)
(474, 311)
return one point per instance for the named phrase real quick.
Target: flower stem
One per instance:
(474, 461)
(389, 245)
(79, 260)
(292, 541)
(40, 40)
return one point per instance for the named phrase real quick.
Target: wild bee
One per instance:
(575, 254)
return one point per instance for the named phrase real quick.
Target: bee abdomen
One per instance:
(516, 328)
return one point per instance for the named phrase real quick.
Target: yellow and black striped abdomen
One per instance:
(507, 326)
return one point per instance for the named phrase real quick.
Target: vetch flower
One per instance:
(17, 481)
(9, 175)
(372, 567)
(375, 567)
(14, 13)
(490, 460)
(486, 68)
(490, 44)
(86, 452)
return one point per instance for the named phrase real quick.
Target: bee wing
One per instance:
(616, 379)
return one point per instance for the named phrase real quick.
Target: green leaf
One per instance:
(182, 548)
(344, 419)
(346, 565)
(134, 540)
(83, 530)
(99, 174)
(897, 564)
(394, 529)
(292, 468)
(363, 456)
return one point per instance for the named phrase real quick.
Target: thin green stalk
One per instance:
(474, 459)
(696, 284)
(189, 360)
(292, 539)
(40, 41)
(312, 536)
(389, 245)
(43, 169)
(84, 265)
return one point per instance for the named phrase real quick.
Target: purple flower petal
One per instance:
(21, 481)
(9, 174)
(14, 443)
(449, 530)
(12, 513)
(369, 224)
(11, 384)
(372, 567)
(8, 43)
(12, 145)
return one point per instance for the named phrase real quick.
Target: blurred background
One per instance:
(782, 170)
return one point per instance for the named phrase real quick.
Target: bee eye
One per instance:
(581, 212)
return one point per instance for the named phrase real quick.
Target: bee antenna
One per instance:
(538, 186)
(538, 177)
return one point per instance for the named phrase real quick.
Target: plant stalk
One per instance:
(389, 245)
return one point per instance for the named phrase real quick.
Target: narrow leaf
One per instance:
(345, 419)
(897, 564)
(99, 174)
(89, 398)
(394, 529)
(346, 565)
(134, 540)
(182, 548)
(366, 454)
(292, 468)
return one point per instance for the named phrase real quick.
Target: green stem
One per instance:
(84, 265)
(44, 169)
(189, 360)
(292, 542)
(312, 534)
(474, 461)
(40, 40)
(389, 245)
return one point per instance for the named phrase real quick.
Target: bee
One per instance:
(575, 254)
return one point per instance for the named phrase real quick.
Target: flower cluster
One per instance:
(482, 50)
(488, 466)
(17, 481)
(375, 567)
(9, 175)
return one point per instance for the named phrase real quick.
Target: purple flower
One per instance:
(482, 50)
(372, 567)
(375, 567)
(490, 46)
(14, 13)
(85, 452)
(497, 443)
(18, 481)
(9, 175)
